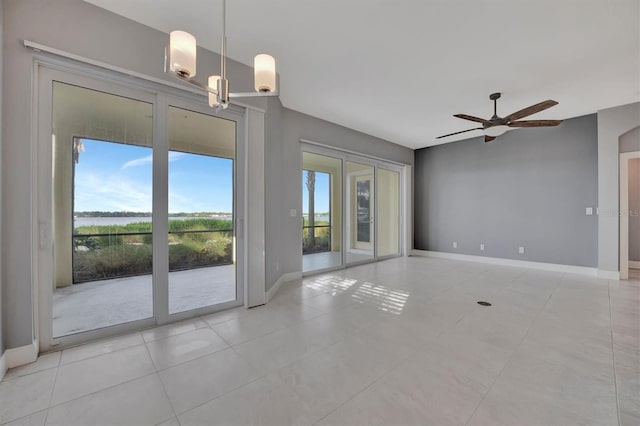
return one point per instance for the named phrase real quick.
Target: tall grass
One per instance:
(113, 254)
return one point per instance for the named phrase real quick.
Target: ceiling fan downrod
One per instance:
(494, 97)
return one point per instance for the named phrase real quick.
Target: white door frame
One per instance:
(624, 212)
(45, 72)
(402, 198)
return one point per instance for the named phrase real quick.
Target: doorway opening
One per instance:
(630, 215)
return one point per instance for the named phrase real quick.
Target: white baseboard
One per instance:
(608, 275)
(22, 355)
(634, 264)
(582, 270)
(283, 279)
(3, 366)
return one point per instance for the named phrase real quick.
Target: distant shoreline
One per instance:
(149, 214)
(83, 221)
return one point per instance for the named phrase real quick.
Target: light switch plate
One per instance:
(589, 211)
(293, 212)
(455, 245)
(481, 247)
(521, 250)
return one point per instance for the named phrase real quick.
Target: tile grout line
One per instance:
(373, 382)
(164, 389)
(156, 371)
(613, 354)
(261, 376)
(26, 375)
(400, 364)
(104, 389)
(55, 379)
(98, 355)
(514, 351)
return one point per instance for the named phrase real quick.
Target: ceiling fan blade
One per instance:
(488, 139)
(471, 118)
(535, 123)
(531, 110)
(457, 133)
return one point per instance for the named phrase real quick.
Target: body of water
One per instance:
(106, 221)
(319, 217)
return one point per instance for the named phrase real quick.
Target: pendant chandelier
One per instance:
(181, 59)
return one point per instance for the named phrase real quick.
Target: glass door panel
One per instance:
(388, 216)
(321, 211)
(101, 209)
(360, 212)
(202, 262)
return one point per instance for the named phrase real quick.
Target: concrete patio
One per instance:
(93, 305)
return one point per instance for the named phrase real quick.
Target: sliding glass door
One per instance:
(360, 212)
(350, 220)
(101, 209)
(138, 199)
(202, 152)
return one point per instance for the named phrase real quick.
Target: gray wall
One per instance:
(1, 205)
(634, 210)
(284, 168)
(274, 208)
(530, 188)
(612, 124)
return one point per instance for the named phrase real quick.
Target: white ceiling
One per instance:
(399, 69)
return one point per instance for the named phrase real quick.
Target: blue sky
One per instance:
(321, 193)
(117, 177)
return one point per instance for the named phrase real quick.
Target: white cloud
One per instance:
(112, 193)
(138, 162)
(173, 156)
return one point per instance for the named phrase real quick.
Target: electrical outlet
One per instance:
(521, 250)
(455, 245)
(481, 247)
(293, 212)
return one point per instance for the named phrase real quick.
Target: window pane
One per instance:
(322, 212)
(316, 236)
(360, 220)
(201, 210)
(102, 180)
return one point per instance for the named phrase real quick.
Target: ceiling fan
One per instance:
(497, 126)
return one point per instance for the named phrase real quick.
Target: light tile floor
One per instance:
(396, 342)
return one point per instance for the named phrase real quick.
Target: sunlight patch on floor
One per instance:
(331, 284)
(386, 299)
